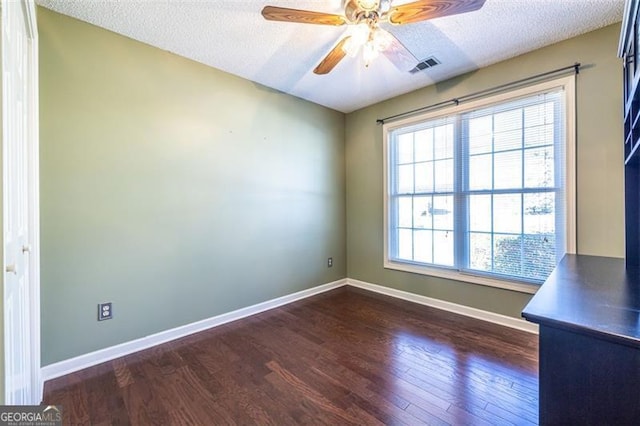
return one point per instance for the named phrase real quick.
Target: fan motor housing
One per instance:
(355, 10)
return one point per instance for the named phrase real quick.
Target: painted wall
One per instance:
(175, 191)
(600, 223)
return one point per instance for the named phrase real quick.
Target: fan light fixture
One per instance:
(368, 38)
(365, 34)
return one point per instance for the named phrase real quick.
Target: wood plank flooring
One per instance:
(343, 357)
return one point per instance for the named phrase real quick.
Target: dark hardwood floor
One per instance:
(344, 357)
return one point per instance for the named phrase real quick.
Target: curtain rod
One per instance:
(456, 101)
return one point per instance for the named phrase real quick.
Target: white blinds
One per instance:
(513, 178)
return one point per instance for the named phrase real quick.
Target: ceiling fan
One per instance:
(364, 17)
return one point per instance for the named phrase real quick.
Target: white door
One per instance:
(19, 137)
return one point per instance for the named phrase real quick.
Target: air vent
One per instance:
(430, 62)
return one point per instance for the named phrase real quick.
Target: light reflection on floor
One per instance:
(462, 382)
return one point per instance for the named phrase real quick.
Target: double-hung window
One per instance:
(483, 192)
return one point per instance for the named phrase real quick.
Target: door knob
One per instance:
(12, 268)
(26, 248)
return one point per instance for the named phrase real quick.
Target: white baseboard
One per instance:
(71, 365)
(467, 311)
(107, 354)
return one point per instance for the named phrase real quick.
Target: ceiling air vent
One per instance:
(431, 61)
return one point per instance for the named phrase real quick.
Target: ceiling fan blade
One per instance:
(398, 54)
(429, 9)
(331, 60)
(273, 13)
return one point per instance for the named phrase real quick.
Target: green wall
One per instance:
(175, 191)
(600, 225)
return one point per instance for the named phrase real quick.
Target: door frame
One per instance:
(33, 172)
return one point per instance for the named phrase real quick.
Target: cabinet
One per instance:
(589, 316)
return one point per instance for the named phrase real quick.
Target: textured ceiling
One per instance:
(231, 35)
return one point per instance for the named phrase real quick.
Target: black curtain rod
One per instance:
(456, 101)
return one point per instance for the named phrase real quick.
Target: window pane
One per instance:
(539, 256)
(508, 170)
(507, 253)
(443, 175)
(507, 209)
(443, 248)
(424, 177)
(507, 140)
(481, 144)
(538, 166)
(405, 148)
(480, 213)
(537, 115)
(423, 246)
(539, 135)
(405, 211)
(405, 179)
(480, 172)
(443, 141)
(424, 145)
(480, 251)
(539, 213)
(442, 212)
(507, 120)
(405, 244)
(421, 216)
(480, 135)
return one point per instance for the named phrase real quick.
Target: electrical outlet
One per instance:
(330, 262)
(105, 311)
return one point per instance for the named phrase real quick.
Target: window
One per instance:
(482, 192)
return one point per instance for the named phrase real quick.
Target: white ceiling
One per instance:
(231, 35)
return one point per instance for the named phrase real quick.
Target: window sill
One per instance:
(458, 276)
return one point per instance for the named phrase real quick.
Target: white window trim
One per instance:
(568, 84)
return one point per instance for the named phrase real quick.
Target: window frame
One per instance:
(568, 85)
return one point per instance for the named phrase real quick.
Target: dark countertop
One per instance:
(591, 295)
